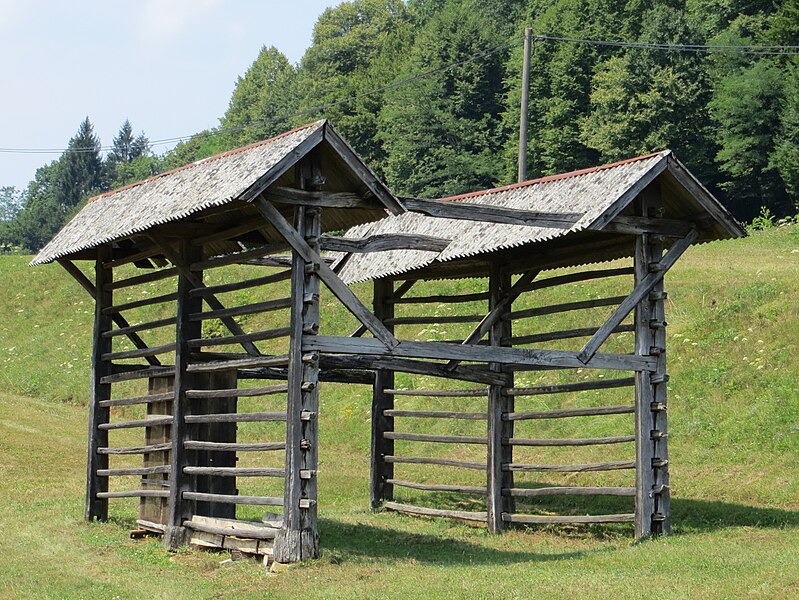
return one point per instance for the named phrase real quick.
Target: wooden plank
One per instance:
(236, 311)
(157, 275)
(330, 279)
(234, 499)
(633, 225)
(293, 196)
(445, 298)
(238, 392)
(109, 310)
(429, 487)
(563, 413)
(243, 363)
(435, 512)
(139, 352)
(507, 356)
(599, 384)
(577, 277)
(135, 494)
(138, 400)
(269, 334)
(131, 257)
(237, 257)
(482, 393)
(429, 320)
(234, 471)
(145, 373)
(492, 213)
(436, 414)
(565, 307)
(426, 437)
(133, 471)
(571, 441)
(237, 447)
(136, 449)
(149, 422)
(582, 468)
(551, 520)
(129, 329)
(231, 527)
(425, 460)
(565, 334)
(569, 491)
(227, 233)
(242, 285)
(254, 417)
(383, 242)
(641, 290)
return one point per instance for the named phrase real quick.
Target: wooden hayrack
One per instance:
(253, 205)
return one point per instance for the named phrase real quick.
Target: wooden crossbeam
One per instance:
(330, 279)
(497, 312)
(383, 242)
(640, 291)
(185, 270)
(121, 322)
(285, 195)
(491, 214)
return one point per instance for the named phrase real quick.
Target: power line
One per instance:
(756, 50)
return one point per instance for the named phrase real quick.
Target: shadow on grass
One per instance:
(691, 516)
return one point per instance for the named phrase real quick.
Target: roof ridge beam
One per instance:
(491, 213)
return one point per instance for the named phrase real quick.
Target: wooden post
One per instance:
(384, 379)
(181, 510)
(652, 504)
(97, 508)
(298, 539)
(499, 402)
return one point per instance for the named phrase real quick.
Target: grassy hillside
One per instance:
(734, 438)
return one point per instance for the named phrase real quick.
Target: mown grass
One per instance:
(734, 441)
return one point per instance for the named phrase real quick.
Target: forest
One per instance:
(428, 93)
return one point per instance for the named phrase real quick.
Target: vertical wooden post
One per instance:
(97, 508)
(652, 506)
(499, 451)
(181, 510)
(298, 539)
(384, 379)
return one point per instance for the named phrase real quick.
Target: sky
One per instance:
(167, 65)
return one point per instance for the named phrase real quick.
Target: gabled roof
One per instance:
(599, 194)
(237, 175)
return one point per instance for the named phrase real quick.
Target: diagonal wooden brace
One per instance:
(121, 321)
(326, 274)
(496, 313)
(184, 269)
(640, 291)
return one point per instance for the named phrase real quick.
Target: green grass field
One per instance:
(734, 441)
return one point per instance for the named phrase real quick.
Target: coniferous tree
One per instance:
(80, 168)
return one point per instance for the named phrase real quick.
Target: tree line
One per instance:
(428, 92)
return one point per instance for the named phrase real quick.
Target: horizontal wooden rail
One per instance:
(568, 491)
(425, 460)
(136, 449)
(435, 512)
(548, 520)
(237, 257)
(139, 352)
(576, 277)
(565, 334)
(258, 336)
(237, 392)
(448, 299)
(606, 466)
(436, 414)
(140, 327)
(135, 494)
(241, 285)
(145, 373)
(110, 310)
(439, 393)
(236, 417)
(242, 363)
(139, 279)
(383, 242)
(237, 311)
(132, 257)
(563, 413)
(426, 437)
(431, 320)
(234, 499)
(165, 397)
(239, 529)
(159, 470)
(430, 487)
(150, 422)
(599, 384)
(235, 471)
(570, 442)
(565, 307)
(233, 446)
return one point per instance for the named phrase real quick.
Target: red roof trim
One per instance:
(549, 178)
(201, 161)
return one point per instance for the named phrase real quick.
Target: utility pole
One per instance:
(525, 95)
